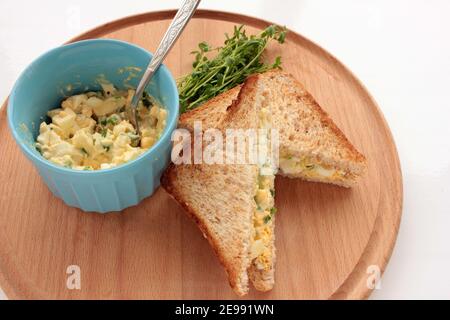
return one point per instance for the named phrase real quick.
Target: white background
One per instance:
(399, 49)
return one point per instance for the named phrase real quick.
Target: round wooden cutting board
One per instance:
(331, 241)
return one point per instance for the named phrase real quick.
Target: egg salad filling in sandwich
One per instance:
(311, 169)
(233, 204)
(262, 252)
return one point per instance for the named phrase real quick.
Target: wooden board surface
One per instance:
(327, 237)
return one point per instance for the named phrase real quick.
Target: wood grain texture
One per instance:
(327, 236)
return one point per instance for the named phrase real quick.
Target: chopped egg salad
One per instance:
(294, 165)
(264, 216)
(91, 132)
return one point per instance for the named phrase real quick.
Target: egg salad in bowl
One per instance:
(91, 132)
(86, 151)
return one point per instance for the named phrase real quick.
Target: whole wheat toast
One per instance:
(220, 199)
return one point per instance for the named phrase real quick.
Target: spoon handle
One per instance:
(177, 26)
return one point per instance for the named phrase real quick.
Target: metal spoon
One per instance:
(177, 26)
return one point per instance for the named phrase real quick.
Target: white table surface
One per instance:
(399, 49)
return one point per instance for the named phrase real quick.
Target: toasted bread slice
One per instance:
(221, 199)
(211, 113)
(312, 147)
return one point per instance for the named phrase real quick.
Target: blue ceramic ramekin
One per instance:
(77, 68)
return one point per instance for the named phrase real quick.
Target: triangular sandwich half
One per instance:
(312, 147)
(233, 204)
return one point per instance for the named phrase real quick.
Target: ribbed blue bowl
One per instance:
(76, 68)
